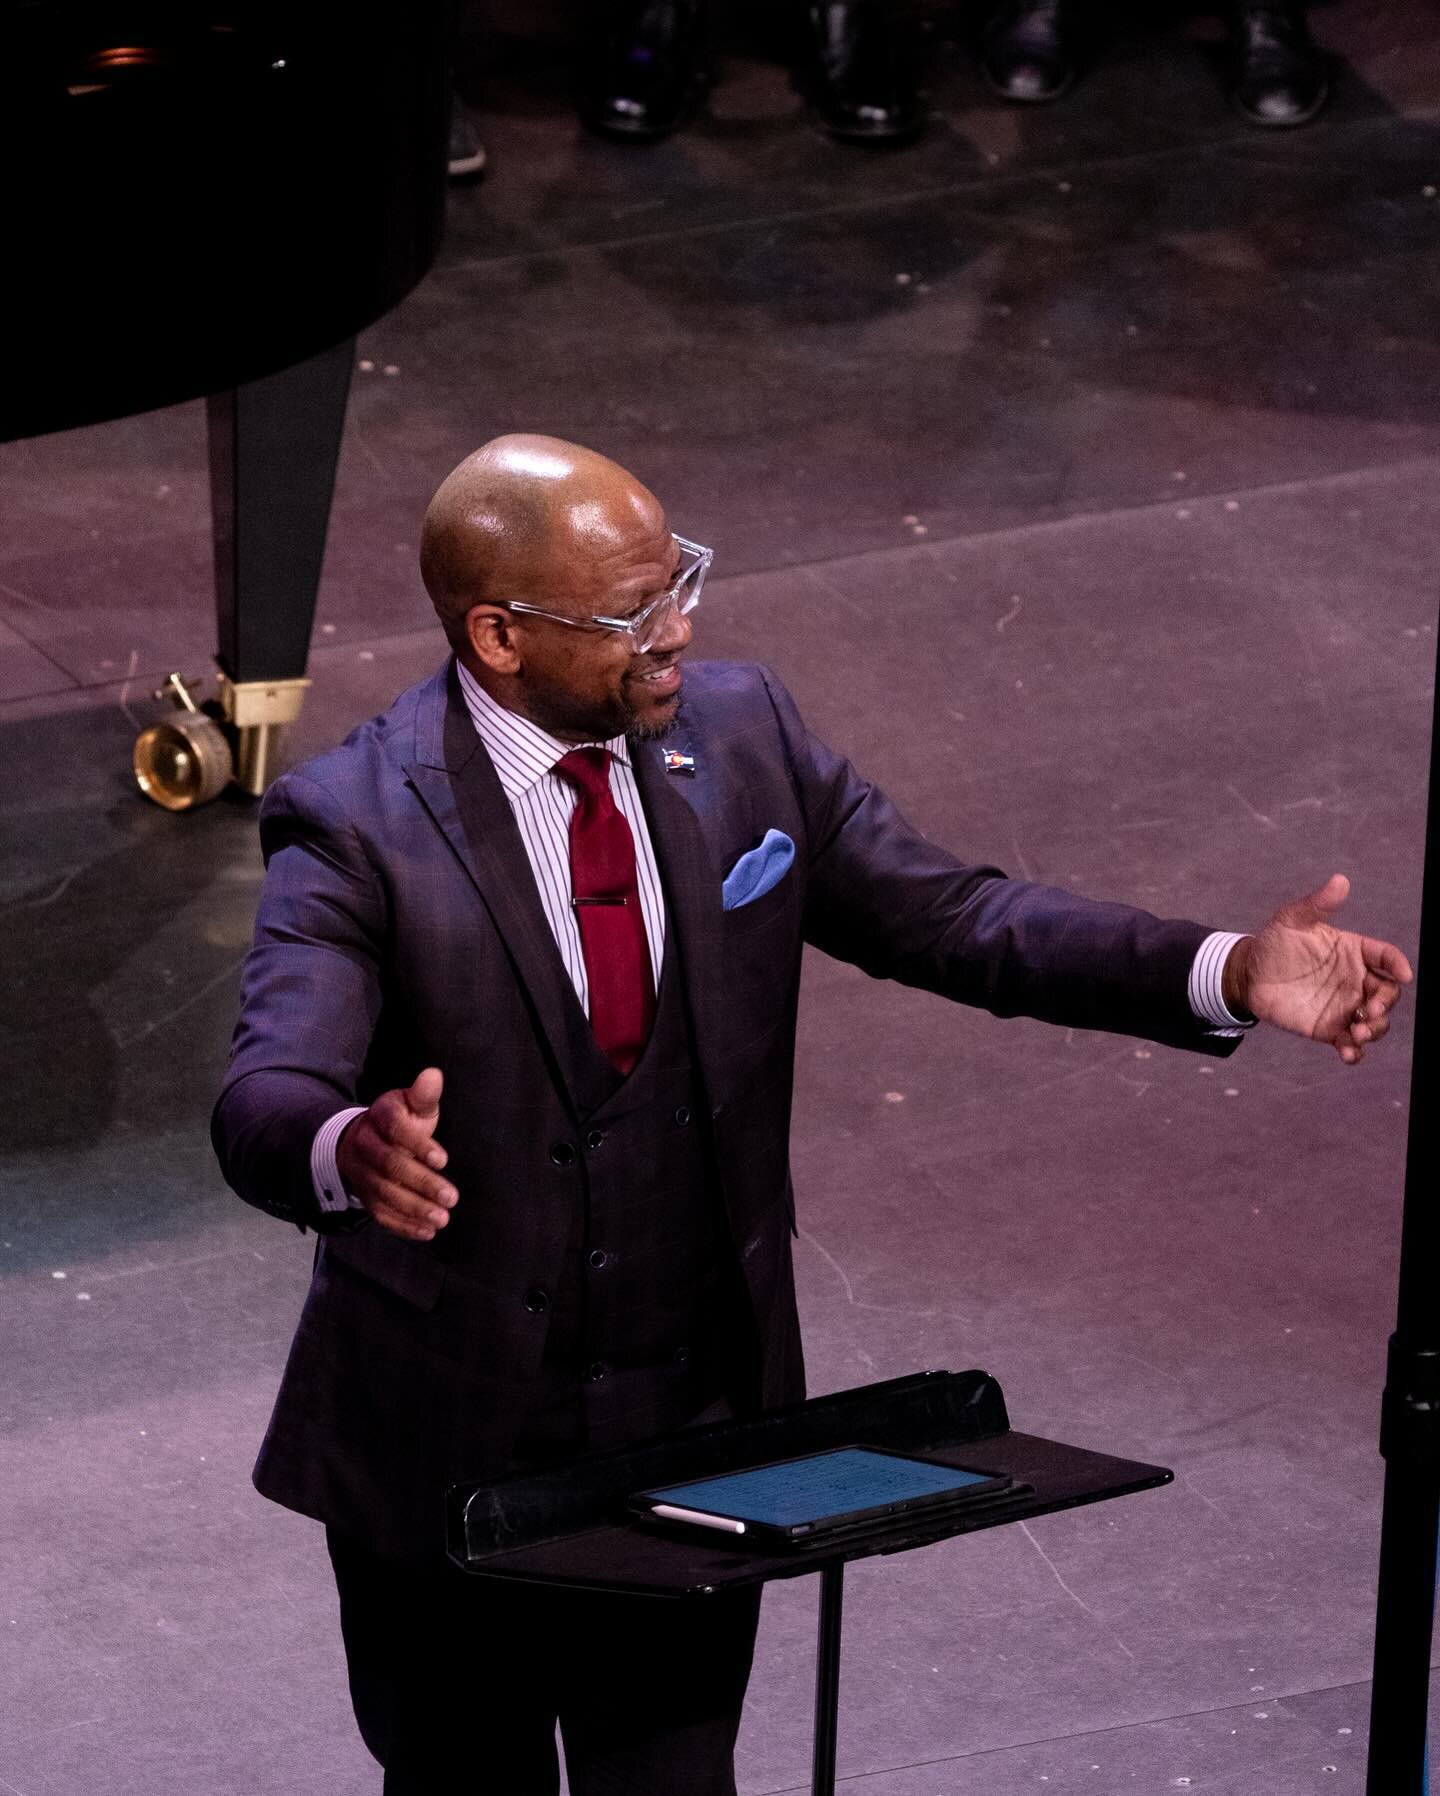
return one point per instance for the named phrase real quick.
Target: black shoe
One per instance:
(466, 157)
(651, 71)
(1281, 78)
(1025, 53)
(857, 75)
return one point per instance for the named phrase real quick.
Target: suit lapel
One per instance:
(459, 787)
(692, 900)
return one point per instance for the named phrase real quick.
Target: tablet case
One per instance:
(816, 1499)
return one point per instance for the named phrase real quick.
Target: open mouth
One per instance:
(660, 679)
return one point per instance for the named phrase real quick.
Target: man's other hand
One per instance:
(1305, 975)
(390, 1160)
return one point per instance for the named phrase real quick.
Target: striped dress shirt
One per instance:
(524, 756)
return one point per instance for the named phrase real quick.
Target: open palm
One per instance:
(1330, 985)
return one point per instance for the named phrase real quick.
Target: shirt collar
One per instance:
(522, 752)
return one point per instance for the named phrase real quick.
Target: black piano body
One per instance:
(212, 200)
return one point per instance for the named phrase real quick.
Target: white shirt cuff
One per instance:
(330, 1194)
(1206, 985)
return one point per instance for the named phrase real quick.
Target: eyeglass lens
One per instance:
(680, 599)
(658, 621)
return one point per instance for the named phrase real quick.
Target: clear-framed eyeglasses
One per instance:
(646, 626)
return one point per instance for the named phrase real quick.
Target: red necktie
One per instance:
(607, 906)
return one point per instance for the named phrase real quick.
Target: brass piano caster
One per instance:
(192, 757)
(186, 760)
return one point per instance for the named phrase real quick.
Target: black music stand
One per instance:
(567, 1525)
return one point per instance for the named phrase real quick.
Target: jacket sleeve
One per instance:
(310, 1001)
(883, 898)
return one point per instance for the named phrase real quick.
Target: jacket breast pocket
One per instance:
(770, 907)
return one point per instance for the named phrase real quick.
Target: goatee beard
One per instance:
(653, 732)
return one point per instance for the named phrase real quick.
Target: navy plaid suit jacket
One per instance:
(400, 928)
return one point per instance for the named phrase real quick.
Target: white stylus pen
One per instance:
(727, 1524)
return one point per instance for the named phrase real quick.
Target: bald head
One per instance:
(526, 517)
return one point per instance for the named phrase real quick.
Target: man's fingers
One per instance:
(1386, 960)
(403, 1127)
(1381, 995)
(374, 1157)
(408, 1118)
(405, 1211)
(397, 1224)
(423, 1097)
(394, 1166)
(394, 1202)
(1318, 907)
(392, 1162)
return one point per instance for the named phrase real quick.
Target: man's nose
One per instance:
(675, 634)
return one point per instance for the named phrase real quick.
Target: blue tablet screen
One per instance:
(817, 1487)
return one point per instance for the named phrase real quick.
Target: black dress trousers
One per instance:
(458, 1682)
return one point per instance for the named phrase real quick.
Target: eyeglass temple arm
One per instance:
(573, 623)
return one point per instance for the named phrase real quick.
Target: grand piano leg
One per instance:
(274, 444)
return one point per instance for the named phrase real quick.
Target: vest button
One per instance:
(682, 1115)
(597, 1257)
(562, 1153)
(596, 1372)
(536, 1300)
(682, 1356)
(594, 1138)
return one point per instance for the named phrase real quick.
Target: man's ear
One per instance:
(492, 638)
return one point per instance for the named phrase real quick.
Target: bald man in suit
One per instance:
(516, 1041)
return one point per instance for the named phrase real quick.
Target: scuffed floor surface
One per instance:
(1077, 470)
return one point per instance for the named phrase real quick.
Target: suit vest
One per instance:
(649, 1322)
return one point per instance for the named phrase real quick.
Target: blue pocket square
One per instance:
(754, 874)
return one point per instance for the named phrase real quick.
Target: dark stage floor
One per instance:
(1077, 470)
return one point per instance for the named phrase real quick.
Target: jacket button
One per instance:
(682, 1356)
(594, 1138)
(597, 1257)
(536, 1300)
(562, 1153)
(682, 1115)
(596, 1372)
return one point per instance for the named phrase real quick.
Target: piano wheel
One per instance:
(183, 762)
(231, 739)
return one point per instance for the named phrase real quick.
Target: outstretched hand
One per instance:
(1305, 975)
(389, 1159)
